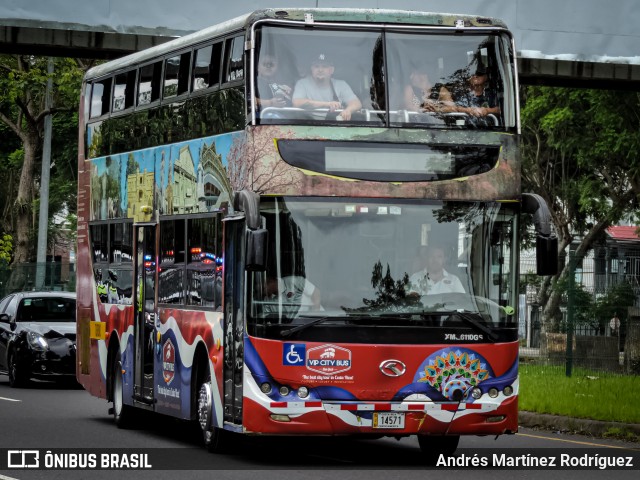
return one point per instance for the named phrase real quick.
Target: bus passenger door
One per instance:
(234, 319)
(145, 312)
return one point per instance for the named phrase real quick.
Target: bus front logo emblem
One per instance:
(168, 361)
(328, 359)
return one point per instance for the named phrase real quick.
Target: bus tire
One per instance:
(433, 446)
(122, 414)
(212, 437)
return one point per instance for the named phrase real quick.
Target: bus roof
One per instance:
(334, 15)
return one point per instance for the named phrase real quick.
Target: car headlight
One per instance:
(37, 341)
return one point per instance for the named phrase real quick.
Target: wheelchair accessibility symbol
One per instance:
(293, 353)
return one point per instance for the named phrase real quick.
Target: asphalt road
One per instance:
(47, 416)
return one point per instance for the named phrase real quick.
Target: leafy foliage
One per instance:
(6, 246)
(23, 81)
(581, 153)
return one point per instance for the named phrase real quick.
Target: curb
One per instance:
(596, 428)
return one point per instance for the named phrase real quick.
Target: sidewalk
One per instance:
(583, 426)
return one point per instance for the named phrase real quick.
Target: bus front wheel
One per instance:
(432, 446)
(211, 435)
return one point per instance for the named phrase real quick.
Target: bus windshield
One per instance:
(370, 259)
(384, 77)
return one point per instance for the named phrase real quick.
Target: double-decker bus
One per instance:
(262, 258)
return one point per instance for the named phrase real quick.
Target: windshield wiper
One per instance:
(470, 318)
(315, 321)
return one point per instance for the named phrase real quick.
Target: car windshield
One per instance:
(384, 78)
(47, 309)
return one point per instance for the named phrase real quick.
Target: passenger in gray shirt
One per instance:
(321, 91)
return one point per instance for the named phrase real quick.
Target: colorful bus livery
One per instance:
(421, 392)
(262, 267)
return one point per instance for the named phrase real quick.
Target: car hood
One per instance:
(51, 329)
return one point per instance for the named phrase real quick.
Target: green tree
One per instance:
(23, 80)
(6, 246)
(581, 153)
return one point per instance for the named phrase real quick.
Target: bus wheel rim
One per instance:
(117, 395)
(204, 407)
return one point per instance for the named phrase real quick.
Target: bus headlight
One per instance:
(284, 391)
(493, 392)
(265, 388)
(303, 392)
(476, 393)
(508, 390)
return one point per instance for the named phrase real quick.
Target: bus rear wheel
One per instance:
(122, 414)
(211, 435)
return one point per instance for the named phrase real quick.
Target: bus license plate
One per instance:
(388, 420)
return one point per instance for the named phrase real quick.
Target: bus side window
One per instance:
(172, 262)
(100, 96)
(149, 80)
(234, 59)
(123, 91)
(206, 66)
(204, 281)
(176, 75)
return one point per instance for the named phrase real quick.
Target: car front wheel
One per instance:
(17, 376)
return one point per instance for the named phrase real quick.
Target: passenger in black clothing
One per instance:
(478, 100)
(271, 91)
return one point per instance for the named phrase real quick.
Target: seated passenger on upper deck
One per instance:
(270, 89)
(421, 95)
(477, 100)
(321, 91)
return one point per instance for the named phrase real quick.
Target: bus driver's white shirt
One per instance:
(420, 283)
(295, 289)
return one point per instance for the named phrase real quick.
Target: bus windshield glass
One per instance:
(338, 259)
(384, 77)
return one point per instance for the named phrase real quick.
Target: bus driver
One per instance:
(433, 278)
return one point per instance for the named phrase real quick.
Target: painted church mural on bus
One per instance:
(183, 178)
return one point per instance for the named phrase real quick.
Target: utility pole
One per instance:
(43, 220)
(571, 297)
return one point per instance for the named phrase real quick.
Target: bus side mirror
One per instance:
(546, 255)
(256, 258)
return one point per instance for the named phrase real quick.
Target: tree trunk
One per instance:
(23, 205)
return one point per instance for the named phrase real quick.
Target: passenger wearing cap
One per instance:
(321, 91)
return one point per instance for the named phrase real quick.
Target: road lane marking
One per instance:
(2, 477)
(591, 444)
(10, 399)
